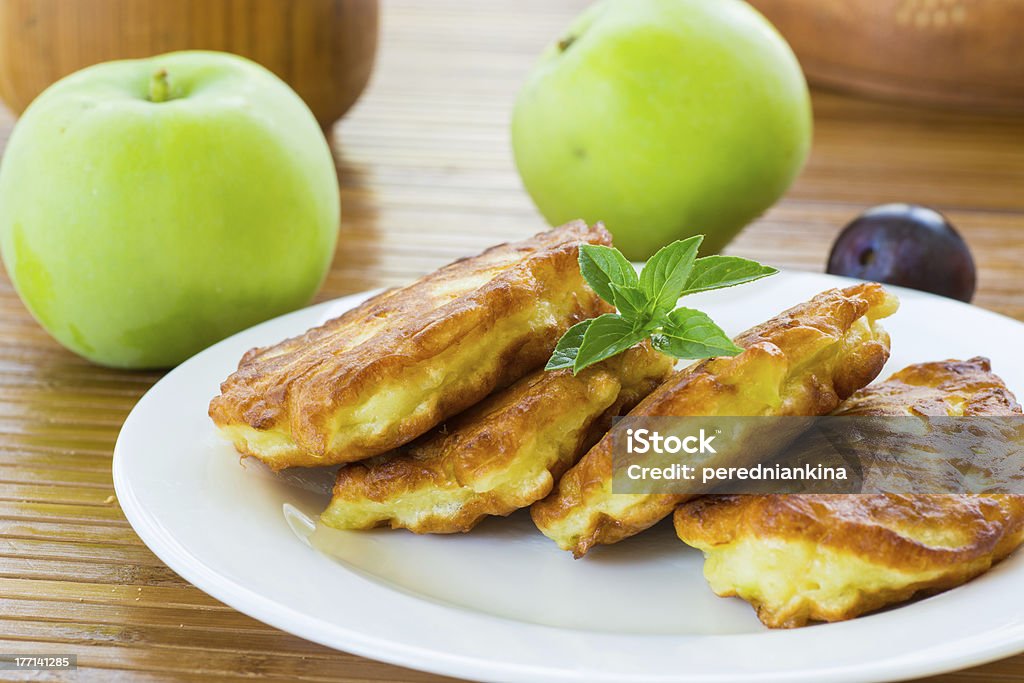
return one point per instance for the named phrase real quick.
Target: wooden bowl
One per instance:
(952, 52)
(324, 49)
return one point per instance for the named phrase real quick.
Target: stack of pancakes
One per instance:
(433, 399)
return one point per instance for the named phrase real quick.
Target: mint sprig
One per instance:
(647, 304)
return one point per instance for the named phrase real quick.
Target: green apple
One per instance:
(663, 118)
(149, 208)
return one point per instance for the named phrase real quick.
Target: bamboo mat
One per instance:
(427, 176)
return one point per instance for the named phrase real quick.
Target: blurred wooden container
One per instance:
(952, 52)
(324, 49)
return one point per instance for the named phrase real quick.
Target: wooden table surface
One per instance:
(426, 176)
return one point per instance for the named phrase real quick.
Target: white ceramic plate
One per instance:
(503, 603)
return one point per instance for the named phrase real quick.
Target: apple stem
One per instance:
(159, 89)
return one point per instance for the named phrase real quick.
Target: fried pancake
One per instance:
(952, 388)
(389, 370)
(802, 362)
(800, 558)
(501, 455)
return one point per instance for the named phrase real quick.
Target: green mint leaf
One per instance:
(564, 355)
(631, 303)
(607, 335)
(663, 278)
(691, 334)
(601, 266)
(647, 304)
(717, 272)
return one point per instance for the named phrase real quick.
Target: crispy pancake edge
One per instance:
(295, 400)
(570, 515)
(451, 478)
(851, 525)
(821, 530)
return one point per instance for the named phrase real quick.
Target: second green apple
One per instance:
(663, 118)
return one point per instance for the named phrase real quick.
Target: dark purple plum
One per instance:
(907, 245)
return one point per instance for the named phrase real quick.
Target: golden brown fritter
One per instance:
(501, 455)
(800, 558)
(387, 371)
(802, 362)
(950, 387)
